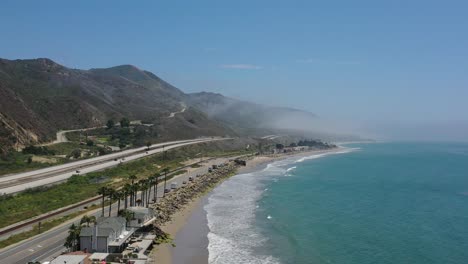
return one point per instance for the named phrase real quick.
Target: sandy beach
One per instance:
(188, 227)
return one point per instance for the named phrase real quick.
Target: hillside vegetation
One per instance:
(39, 97)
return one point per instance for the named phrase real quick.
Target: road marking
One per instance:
(54, 249)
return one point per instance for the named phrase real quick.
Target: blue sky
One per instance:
(374, 66)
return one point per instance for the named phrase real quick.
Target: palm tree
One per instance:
(134, 196)
(165, 170)
(73, 239)
(127, 191)
(111, 194)
(102, 191)
(87, 219)
(132, 177)
(150, 184)
(118, 195)
(156, 177)
(92, 219)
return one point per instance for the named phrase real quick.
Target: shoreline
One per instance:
(185, 229)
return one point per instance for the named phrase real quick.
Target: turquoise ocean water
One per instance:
(373, 203)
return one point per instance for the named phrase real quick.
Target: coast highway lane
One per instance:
(20, 182)
(77, 164)
(50, 243)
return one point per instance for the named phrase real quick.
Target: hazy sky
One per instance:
(384, 67)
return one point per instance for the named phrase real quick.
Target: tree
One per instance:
(155, 187)
(279, 146)
(118, 195)
(87, 219)
(102, 151)
(111, 195)
(122, 145)
(103, 191)
(126, 214)
(165, 170)
(110, 124)
(148, 145)
(72, 242)
(142, 188)
(127, 191)
(89, 143)
(124, 122)
(30, 160)
(132, 177)
(76, 153)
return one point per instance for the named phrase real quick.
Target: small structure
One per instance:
(141, 215)
(98, 257)
(71, 259)
(108, 235)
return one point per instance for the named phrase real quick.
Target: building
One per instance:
(108, 235)
(140, 216)
(71, 259)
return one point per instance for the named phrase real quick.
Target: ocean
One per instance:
(371, 203)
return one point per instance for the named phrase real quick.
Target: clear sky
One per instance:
(384, 67)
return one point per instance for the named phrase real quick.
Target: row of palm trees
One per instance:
(130, 192)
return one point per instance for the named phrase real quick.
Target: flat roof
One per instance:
(69, 259)
(98, 256)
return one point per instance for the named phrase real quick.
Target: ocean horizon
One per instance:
(391, 202)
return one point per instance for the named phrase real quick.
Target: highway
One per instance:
(50, 243)
(21, 181)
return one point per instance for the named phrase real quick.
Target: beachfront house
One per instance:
(140, 216)
(71, 259)
(108, 235)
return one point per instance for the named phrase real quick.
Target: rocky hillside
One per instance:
(38, 97)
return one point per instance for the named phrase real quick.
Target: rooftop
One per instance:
(69, 259)
(106, 225)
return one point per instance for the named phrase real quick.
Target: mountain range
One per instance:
(39, 97)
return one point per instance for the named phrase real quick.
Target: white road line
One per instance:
(45, 254)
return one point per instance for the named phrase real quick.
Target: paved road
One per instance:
(50, 244)
(171, 115)
(22, 181)
(62, 138)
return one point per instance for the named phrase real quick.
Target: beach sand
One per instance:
(189, 226)
(162, 254)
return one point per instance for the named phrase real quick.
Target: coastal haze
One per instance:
(219, 132)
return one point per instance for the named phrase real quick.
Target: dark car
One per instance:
(166, 190)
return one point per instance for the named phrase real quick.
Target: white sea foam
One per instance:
(231, 215)
(316, 156)
(233, 237)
